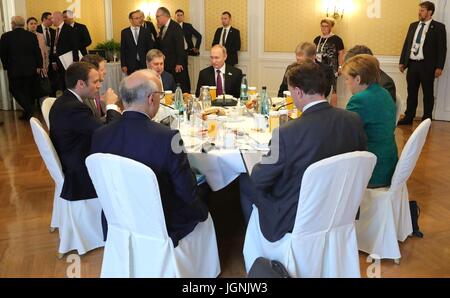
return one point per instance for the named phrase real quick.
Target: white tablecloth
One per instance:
(114, 76)
(222, 166)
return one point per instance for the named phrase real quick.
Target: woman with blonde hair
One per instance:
(331, 52)
(377, 111)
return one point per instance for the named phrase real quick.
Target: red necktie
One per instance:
(56, 39)
(98, 104)
(219, 83)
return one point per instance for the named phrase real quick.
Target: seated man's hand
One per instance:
(110, 97)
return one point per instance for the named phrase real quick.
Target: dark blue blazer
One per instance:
(190, 31)
(321, 132)
(72, 124)
(138, 138)
(168, 81)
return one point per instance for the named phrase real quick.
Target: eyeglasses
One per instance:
(161, 95)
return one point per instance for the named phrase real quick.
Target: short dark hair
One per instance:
(358, 50)
(78, 71)
(165, 11)
(93, 59)
(428, 5)
(130, 15)
(179, 10)
(65, 11)
(45, 15)
(31, 19)
(227, 13)
(307, 76)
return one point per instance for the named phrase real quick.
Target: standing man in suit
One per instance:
(424, 53)
(225, 77)
(136, 41)
(322, 132)
(171, 43)
(65, 42)
(230, 38)
(49, 36)
(22, 59)
(189, 32)
(148, 25)
(72, 126)
(137, 137)
(155, 61)
(81, 32)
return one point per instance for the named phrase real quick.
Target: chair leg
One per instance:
(59, 256)
(52, 230)
(397, 261)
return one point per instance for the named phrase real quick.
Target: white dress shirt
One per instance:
(310, 105)
(223, 32)
(420, 55)
(133, 30)
(222, 74)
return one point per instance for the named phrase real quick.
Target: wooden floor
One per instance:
(27, 249)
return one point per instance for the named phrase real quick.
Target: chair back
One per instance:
(46, 107)
(331, 192)
(129, 194)
(410, 155)
(47, 151)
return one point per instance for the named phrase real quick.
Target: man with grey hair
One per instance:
(80, 31)
(137, 137)
(155, 61)
(385, 80)
(22, 59)
(171, 43)
(303, 51)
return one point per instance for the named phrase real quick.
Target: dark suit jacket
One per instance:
(321, 132)
(136, 137)
(388, 83)
(20, 53)
(233, 78)
(72, 126)
(149, 25)
(173, 47)
(232, 44)
(434, 48)
(83, 37)
(190, 31)
(67, 42)
(329, 77)
(52, 39)
(168, 81)
(129, 49)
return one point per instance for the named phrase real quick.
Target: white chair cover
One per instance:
(323, 242)
(138, 244)
(79, 223)
(399, 106)
(46, 107)
(385, 216)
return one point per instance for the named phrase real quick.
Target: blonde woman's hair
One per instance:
(365, 66)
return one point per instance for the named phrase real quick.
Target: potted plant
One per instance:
(111, 48)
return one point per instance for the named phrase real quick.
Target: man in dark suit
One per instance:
(307, 50)
(189, 32)
(148, 25)
(155, 62)
(385, 80)
(171, 43)
(230, 38)
(225, 77)
(65, 42)
(424, 53)
(136, 41)
(137, 137)
(321, 132)
(81, 32)
(72, 126)
(49, 36)
(97, 106)
(22, 59)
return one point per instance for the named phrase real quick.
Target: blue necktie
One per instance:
(419, 38)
